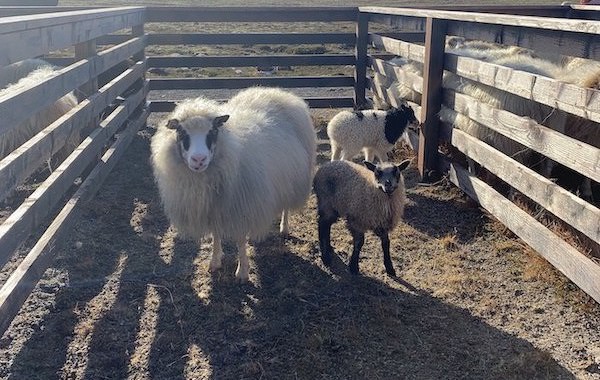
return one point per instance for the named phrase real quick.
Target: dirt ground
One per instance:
(126, 299)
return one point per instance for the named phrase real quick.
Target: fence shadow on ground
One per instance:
(165, 317)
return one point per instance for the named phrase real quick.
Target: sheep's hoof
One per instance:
(242, 278)
(354, 270)
(391, 272)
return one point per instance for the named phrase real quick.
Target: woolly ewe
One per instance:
(229, 170)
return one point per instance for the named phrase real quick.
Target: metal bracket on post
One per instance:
(433, 70)
(360, 54)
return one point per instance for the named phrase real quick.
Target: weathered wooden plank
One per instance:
(250, 38)
(405, 49)
(40, 203)
(16, 108)
(567, 97)
(264, 60)
(24, 278)
(549, 23)
(433, 69)
(250, 14)
(570, 152)
(360, 54)
(560, 202)
(527, 10)
(584, 272)
(397, 74)
(234, 83)
(405, 36)
(407, 24)
(20, 164)
(389, 97)
(40, 34)
(546, 43)
(7, 11)
(337, 102)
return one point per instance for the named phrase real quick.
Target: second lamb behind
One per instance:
(373, 131)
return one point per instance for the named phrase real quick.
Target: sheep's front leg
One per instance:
(385, 246)
(336, 152)
(325, 239)
(358, 239)
(369, 154)
(216, 261)
(283, 226)
(243, 268)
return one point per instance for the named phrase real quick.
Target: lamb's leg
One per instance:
(358, 239)
(369, 154)
(336, 152)
(382, 156)
(243, 268)
(385, 246)
(216, 261)
(283, 226)
(325, 238)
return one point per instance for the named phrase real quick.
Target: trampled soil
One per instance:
(125, 298)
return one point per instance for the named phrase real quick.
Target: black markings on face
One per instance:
(183, 138)
(211, 138)
(396, 121)
(359, 115)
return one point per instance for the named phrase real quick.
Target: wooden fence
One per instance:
(110, 63)
(549, 36)
(104, 127)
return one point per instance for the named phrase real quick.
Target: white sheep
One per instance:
(373, 131)
(15, 137)
(583, 73)
(15, 71)
(370, 198)
(229, 170)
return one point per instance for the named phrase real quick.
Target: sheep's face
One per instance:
(387, 176)
(397, 120)
(197, 139)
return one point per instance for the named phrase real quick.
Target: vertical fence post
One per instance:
(138, 31)
(433, 69)
(87, 49)
(360, 55)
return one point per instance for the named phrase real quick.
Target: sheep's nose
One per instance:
(198, 159)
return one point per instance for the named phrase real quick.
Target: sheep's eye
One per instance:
(183, 138)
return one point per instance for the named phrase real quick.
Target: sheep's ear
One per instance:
(369, 165)
(220, 120)
(403, 165)
(173, 124)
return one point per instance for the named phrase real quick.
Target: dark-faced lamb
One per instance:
(229, 170)
(370, 197)
(373, 131)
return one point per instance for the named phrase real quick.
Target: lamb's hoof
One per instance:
(241, 278)
(391, 272)
(354, 270)
(284, 231)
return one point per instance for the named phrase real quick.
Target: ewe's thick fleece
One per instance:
(263, 164)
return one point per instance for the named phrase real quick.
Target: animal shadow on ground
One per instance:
(142, 305)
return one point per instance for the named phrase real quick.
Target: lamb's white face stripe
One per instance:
(198, 155)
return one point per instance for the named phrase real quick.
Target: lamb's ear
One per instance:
(403, 165)
(220, 120)
(173, 124)
(369, 165)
